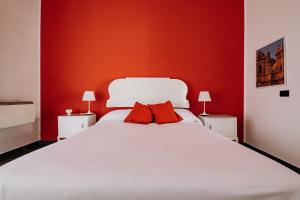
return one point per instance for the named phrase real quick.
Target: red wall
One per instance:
(87, 44)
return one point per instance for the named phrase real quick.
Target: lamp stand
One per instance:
(89, 111)
(204, 113)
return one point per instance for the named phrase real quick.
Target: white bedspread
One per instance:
(117, 161)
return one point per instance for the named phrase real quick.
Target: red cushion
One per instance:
(140, 114)
(164, 113)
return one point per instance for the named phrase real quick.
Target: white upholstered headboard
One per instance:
(126, 91)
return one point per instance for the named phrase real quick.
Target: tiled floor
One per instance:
(9, 156)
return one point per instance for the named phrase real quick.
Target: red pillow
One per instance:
(164, 113)
(140, 114)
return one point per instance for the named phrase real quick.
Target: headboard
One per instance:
(126, 91)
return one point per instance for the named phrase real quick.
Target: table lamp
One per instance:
(204, 97)
(89, 96)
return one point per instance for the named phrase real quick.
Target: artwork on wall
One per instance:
(270, 65)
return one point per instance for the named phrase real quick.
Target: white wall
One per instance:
(272, 123)
(20, 51)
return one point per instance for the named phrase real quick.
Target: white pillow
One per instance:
(187, 115)
(120, 115)
(115, 115)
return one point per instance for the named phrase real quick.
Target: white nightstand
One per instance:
(223, 124)
(69, 125)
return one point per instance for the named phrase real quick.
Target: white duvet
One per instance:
(118, 161)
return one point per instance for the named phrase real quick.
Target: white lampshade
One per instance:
(88, 96)
(204, 96)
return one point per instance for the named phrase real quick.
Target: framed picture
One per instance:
(270, 64)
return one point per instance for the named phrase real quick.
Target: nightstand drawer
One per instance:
(71, 125)
(223, 124)
(226, 127)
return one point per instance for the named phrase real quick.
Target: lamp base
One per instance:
(89, 113)
(204, 114)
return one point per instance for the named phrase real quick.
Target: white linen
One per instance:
(113, 160)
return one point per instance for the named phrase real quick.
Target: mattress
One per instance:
(113, 160)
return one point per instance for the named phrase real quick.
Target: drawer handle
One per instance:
(210, 127)
(82, 125)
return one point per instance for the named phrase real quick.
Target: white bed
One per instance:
(114, 160)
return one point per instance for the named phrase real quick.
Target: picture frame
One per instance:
(271, 64)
